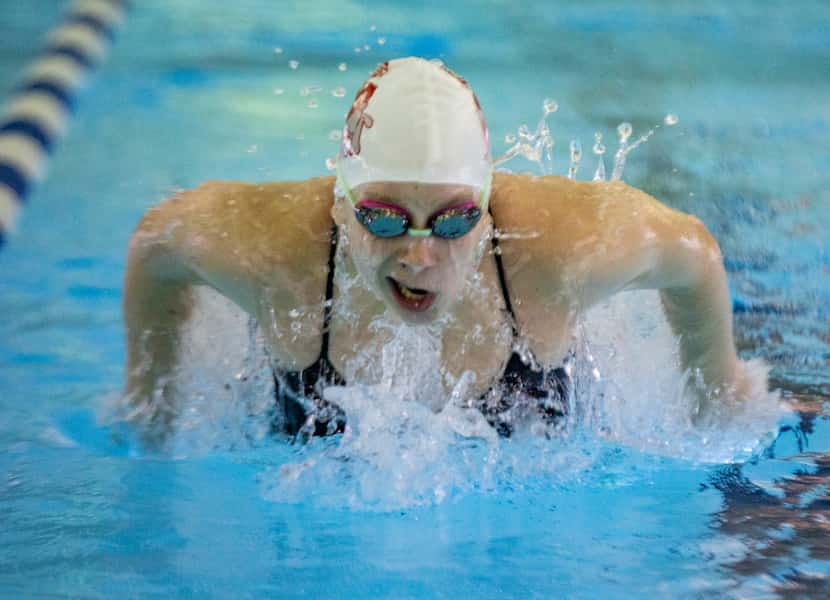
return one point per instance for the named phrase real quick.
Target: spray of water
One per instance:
(537, 146)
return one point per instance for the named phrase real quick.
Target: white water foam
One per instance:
(400, 452)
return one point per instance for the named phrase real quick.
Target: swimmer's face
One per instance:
(419, 277)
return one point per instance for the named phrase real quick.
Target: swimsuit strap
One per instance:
(503, 283)
(327, 306)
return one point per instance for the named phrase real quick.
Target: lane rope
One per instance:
(40, 106)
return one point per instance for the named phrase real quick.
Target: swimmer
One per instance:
(414, 215)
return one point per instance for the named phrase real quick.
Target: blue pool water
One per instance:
(629, 501)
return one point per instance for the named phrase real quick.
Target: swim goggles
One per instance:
(385, 220)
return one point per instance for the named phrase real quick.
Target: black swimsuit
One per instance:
(297, 389)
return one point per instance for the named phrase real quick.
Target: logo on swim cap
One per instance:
(357, 118)
(415, 120)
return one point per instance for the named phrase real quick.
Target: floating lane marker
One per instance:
(40, 106)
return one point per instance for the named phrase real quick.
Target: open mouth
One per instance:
(414, 299)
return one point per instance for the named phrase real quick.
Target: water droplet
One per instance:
(310, 89)
(624, 132)
(293, 64)
(550, 106)
(331, 163)
(279, 91)
(338, 92)
(277, 50)
(381, 41)
(335, 135)
(576, 151)
(313, 103)
(671, 119)
(342, 67)
(510, 139)
(576, 155)
(599, 147)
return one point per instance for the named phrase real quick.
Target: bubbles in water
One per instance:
(277, 50)
(313, 103)
(335, 135)
(331, 163)
(671, 119)
(524, 132)
(357, 50)
(293, 64)
(338, 92)
(342, 67)
(373, 28)
(279, 91)
(367, 47)
(509, 139)
(381, 41)
(252, 149)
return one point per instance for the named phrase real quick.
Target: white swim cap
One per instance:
(415, 120)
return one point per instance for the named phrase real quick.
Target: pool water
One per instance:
(629, 500)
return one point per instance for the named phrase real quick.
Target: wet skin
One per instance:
(568, 246)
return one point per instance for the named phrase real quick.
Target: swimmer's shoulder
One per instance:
(270, 217)
(551, 221)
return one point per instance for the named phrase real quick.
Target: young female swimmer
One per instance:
(414, 210)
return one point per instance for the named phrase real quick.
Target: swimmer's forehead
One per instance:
(417, 193)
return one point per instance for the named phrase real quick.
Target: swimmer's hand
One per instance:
(749, 383)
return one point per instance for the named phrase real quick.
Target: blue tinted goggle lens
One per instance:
(449, 224)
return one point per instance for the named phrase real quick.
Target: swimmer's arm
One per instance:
(157, 301)
(253, 243)
(176, 246)
(646, 245)
(191, 239)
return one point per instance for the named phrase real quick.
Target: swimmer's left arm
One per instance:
(650, 246)
(616, 238)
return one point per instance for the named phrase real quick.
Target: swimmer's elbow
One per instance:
(695, 254)
(156, 246)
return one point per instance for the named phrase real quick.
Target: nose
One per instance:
(419, 254)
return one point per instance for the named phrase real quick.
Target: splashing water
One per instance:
(410, 441)
(576, 156)
(537, 146)
(599, 150)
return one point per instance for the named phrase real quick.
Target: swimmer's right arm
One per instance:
(171, 250)
(256, 244)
